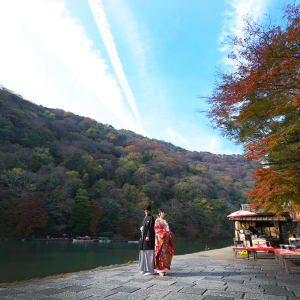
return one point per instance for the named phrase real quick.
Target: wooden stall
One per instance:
(270, 234)
(266, 229)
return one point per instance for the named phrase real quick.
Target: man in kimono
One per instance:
(147, 243)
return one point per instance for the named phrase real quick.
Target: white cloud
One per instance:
(216, 146)
(136, 36)
(176, 138)
(104, 29)
(234, 20)
(184, 136)
(46, 56)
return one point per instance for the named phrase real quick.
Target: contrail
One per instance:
(103, 27)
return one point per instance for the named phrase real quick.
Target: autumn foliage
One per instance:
(91, 179)
(30, 215)
(258, 104)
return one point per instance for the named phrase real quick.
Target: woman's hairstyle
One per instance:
(161, 210)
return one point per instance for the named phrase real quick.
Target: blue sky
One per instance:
(134, 64)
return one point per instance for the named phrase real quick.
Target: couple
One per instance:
(156, 246)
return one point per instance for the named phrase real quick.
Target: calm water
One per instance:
(30, 259)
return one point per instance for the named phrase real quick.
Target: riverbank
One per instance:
(201, 275)
(37, 259)
(222, 253)
(64, 275)
(33, 272)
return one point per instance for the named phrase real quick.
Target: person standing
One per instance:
(164, 248)
(147, 242)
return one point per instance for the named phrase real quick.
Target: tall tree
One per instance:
(258, 104)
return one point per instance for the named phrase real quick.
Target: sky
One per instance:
(141, 65)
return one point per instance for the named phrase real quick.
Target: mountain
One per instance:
(65, 174)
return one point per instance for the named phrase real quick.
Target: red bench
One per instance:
(254, 250)
(288, 259)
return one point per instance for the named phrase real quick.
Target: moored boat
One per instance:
(82, 239)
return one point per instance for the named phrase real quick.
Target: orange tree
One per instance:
(258, 104)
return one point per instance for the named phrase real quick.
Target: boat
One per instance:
(104, 239)
(82, 239)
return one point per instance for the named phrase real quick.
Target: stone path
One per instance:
(191, 278)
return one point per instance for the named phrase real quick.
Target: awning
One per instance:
(242, 213)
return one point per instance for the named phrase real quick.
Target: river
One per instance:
(20, 260)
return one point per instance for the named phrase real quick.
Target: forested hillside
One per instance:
(62, 173)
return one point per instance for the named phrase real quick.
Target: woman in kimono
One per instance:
(163, 252)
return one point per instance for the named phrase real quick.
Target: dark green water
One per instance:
(31, 259)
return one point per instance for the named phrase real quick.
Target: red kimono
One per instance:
(164, 248)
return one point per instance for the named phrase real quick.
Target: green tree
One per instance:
(81, 215)
(125, 170)
(96, 212)
(40, 156)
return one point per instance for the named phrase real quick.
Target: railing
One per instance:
(249, 207)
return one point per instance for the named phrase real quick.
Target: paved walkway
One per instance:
(191, 278)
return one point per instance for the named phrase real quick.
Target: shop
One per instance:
(260, 229)
(294, 239)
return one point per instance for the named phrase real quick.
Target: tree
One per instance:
(133, 197)
(15, 179)
(125, 170)
(97, 213)
(258, 104)
(81, 215)
(40, 157)
(30, 215)
(97, 181)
